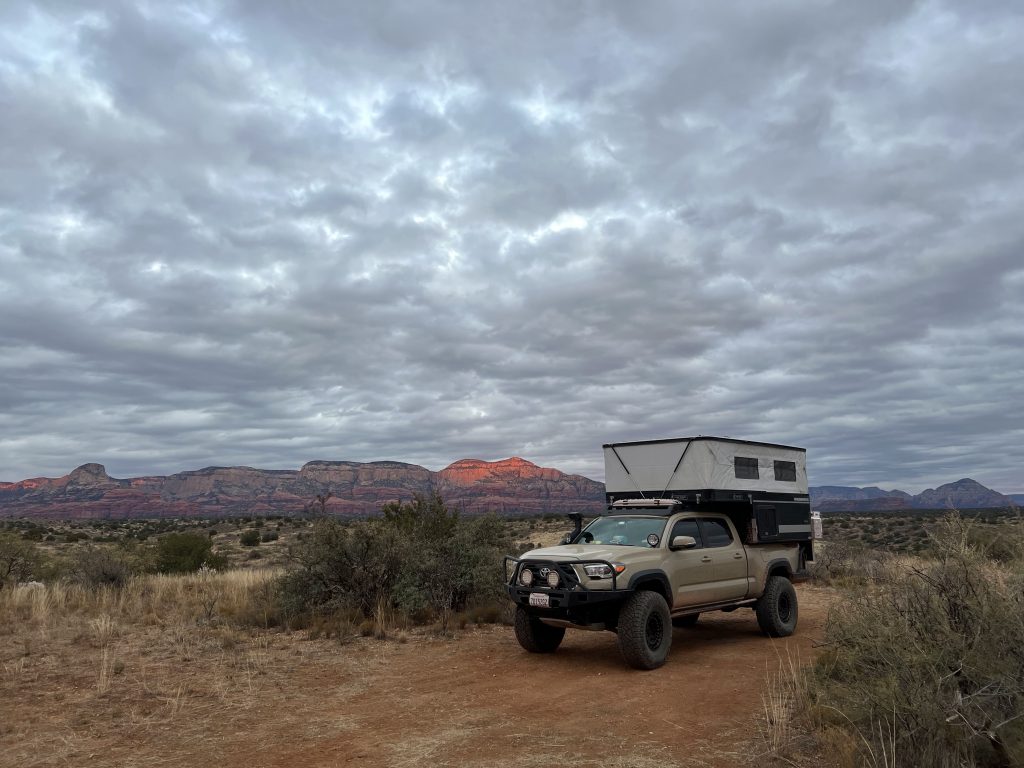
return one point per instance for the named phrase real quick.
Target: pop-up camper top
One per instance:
(762, 487)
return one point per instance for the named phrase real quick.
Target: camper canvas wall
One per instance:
(696, 463)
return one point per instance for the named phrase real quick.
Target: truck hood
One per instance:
(580, 552)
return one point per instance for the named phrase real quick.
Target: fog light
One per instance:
(526, 577)
(553, 579)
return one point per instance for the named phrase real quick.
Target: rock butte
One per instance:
(510, 486)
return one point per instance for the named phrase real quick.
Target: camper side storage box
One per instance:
(762, 487)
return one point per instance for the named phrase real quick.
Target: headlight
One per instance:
(553, 579)
(601, 571)
(526, 577)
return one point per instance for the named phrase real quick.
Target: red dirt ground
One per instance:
(478, 700)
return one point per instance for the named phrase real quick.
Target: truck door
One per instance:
(728, 558)
(690, 570)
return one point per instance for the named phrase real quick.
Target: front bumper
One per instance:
(572, 601)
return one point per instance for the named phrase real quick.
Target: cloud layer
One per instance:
(263, 233)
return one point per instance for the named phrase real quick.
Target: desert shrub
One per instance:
(447, 573)
(269, 536)
(96, 566)
(847, 563)
(1002, 543)
(186, 552)
(340, 567)
(249, 538)
(420, 559)
(925, 667)
(19, 559)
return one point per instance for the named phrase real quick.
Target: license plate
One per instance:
(539, 600)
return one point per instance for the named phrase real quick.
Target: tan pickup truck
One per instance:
(639, 571)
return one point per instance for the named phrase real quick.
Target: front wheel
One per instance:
(776, 609)
(645, 630)
(536, 636)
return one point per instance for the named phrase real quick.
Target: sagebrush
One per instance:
(924, 662)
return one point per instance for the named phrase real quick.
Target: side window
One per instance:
(746, 469)
(715, 532)
(785, 471)
(686, 528)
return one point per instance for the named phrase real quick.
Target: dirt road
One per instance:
(478, 700)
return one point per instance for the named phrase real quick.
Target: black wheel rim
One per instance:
(785, 608)
(654, 632)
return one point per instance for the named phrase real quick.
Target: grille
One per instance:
(567, 578)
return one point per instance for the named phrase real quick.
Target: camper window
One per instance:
(785, 471)
(746, 469)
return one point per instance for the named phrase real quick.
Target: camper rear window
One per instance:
(785, 471)
(746, 469)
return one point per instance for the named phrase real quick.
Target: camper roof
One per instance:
(706, 437)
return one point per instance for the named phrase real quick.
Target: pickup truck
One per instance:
(640, 571)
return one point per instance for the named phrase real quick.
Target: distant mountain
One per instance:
(962, 494)
(1017, 497)
(510, 486)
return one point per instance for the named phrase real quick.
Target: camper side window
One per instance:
(746, 469)
(785, 471)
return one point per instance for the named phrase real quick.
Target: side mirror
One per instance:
(567, 539)
(683, 542)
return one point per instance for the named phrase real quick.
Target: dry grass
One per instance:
(150, 599)
(103, 675)
(922, 664)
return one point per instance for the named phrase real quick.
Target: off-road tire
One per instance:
(689, 620)
(776, 609)
(645, 630)
(536, 636)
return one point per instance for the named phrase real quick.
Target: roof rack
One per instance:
(645, 503)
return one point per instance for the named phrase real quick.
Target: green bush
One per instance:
(250, 537)
(269, 536)
(420, 559)
(186, 552)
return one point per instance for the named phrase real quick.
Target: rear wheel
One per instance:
(645, 630)
(685, 621)
(776, 608)
(536, 636)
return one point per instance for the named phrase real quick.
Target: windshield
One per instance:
(626, 531)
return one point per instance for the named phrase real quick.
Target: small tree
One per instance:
(19, 559)
(186, 552)
(97, 566)
(249, 538)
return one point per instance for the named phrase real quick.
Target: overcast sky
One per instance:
(263, 233)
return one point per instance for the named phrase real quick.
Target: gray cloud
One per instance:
(259, 233)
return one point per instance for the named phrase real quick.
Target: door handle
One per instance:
(706, 559)
(737, 555)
